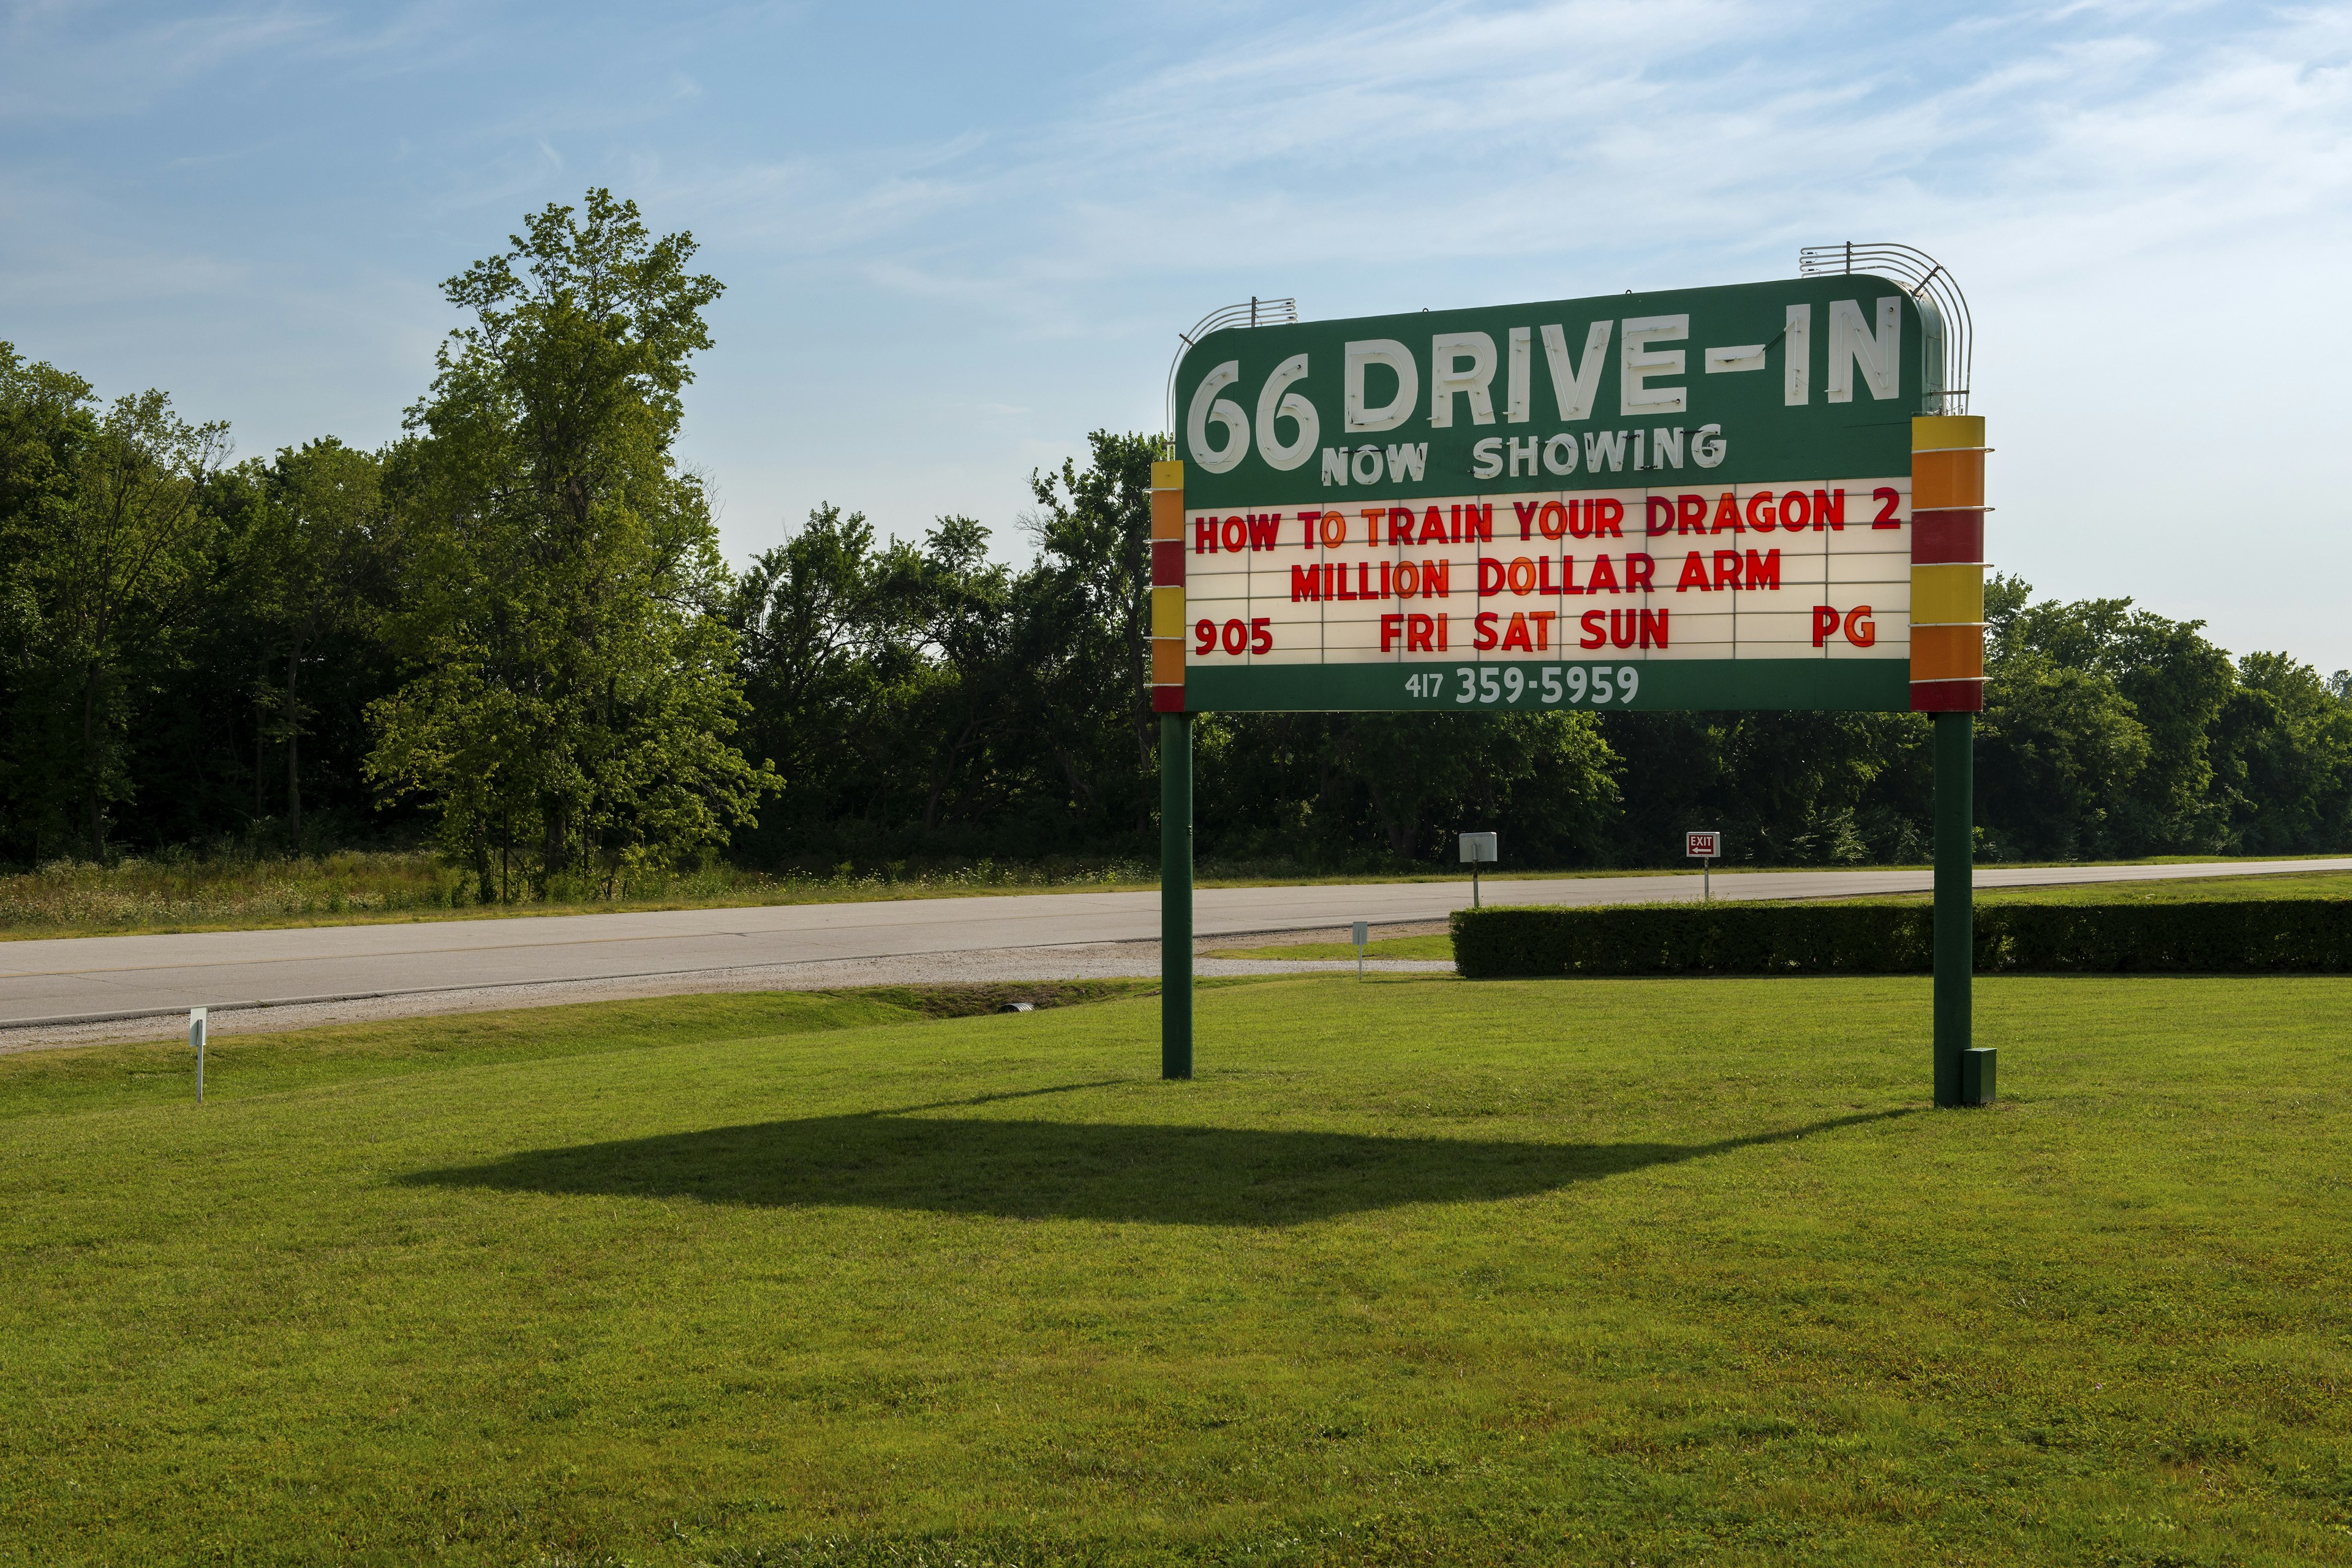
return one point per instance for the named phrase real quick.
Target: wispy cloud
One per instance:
(1600, 131)
(252, 201)
(82, 62)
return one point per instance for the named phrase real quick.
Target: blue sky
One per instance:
(957, 238)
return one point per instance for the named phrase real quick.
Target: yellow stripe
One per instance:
(1937, 432)
(1168, 612)
(1946, 592)
(1171, 476)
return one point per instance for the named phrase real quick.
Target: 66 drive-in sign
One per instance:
(1765, 496)
(1699, 499)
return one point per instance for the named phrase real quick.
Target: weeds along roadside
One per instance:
(65, 897)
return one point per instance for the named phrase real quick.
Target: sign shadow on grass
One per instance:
(1076, 1170)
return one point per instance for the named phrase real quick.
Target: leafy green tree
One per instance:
(105, 548)
(575, 686)
(2174, 682)
(2060, 749)
(1347, 790)
(969, 705)
(317, 562)
(516, 619)
(45, 420)
(1782, 788)
(2282, 759)
(2072, 662)
(828, 623)
(2058, 756)
(885, 670)
(1084, 615)
(1545, 777)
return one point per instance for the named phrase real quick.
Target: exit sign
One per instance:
(1701, 845)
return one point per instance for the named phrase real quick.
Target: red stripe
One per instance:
(1947, 697)
(1167, 699)
(1939, 538)
(1166, 563)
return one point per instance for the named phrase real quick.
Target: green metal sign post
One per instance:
(1175, 895)
(1955, 896)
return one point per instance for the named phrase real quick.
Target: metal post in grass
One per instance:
(1478, 849)
(1954, 896)
(1703, 845)
(1360, 935)
(1175, 895)
(196, 1044)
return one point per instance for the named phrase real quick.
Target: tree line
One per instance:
(511, 631)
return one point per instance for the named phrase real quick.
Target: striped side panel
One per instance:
(1166, 675)
(1947, 568)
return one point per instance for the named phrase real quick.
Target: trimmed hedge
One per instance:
(2250, 937)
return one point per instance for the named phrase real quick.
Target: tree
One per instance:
(2059, 755)
(1086, 617)
(316, 560)
(45, 419)
(2172, 683)
(2282, 750)
(967, 703)
(516, 619)
(105, 548)
(1798, 788)
(1546, 777)
(828, 625)
(887, 671)
(2060, 748)
(564, 608)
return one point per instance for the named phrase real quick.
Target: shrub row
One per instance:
(2251, 936)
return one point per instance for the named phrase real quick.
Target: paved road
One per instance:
(82, 978)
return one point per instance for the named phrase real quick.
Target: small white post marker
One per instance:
(1363, 931)
(196, 1043)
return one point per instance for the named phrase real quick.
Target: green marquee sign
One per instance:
(1697, 498)
(1761, 496)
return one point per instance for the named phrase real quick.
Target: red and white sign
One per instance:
(1442, 578)
(1701, 847)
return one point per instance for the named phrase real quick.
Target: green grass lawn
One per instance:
(2194, 889)
(1417, 1271)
